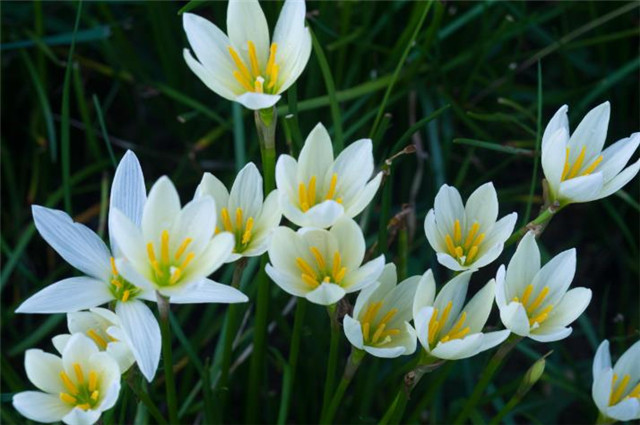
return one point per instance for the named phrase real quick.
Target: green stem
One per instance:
(355, 358)
(289, 378)
(266, 120)
(165, 329)
(229, 335)
(146, 400)
(537, 225)
(487, 374)
(513, 402)
(603, 419)
(333, 358)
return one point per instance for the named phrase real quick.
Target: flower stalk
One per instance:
(165, 330)
(353, 363)
(333, 358)
(536, 225)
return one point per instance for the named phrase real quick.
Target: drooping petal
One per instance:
(316, 156)
(591, 132)
(326, 294)
(67, 295)
(143, 335)
(161, 208)
(246, 22)
(75, 242)
(208, 291)
(482, 206)
(581, 189)
(40, 407)
(43, 370)
(246, 192)
(257, 101)
(353, 331)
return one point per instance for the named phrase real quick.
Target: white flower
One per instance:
(446, 329)
(467, 237)
(103, 327)
(245, 67)
(380, 323)
(316, 190)
(75, 389)
(102, 283)
(321, 265)
(243, 212)
(535, 302)
(576, 167)
(173, 251)
(616, 391)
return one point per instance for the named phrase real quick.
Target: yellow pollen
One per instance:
(479, 239)
(472, 254)
(332, 186)
(239, 218)
(79, 375)
(94, 395)
(175, 276)
(527, 293)
(457, 335)
(93, 380)
(536, 303)
(67, 383)
(84, 406)
(253, 58)
(97, 338)
(244, 72)
(593, 166)
(125, 295)
(339, 200)
(246, 236)
(68, 398)
(305, 267)
(542, 316)
(240, 78)
(182, 248)
(114, 270)
(472, 233)
(326, 279)
(457, 231)
(459, 252)
(616, 394)
(337, 260)
(270, 63)
(371, 312)
(309, 280)
(450, 246)
(164, 247)
(150, 253)
(226, 220)
(576, 165)
(318, 256)
(273, 77)
(115, 283)
(258, 85)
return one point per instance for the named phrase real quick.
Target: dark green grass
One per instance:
(127, 87)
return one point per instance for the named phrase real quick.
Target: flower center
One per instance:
(618, 389)
(313, 275)
(252, 78)
(381, 335)
(80, 393)
(169, 269)
(436, 324)
(464, 250)
(101, 338)
(307, 196)
(574, 170)
(121, 288)
(531, 308)
(242, 229)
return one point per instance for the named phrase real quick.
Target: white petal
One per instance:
(75, 242)
(246, 192)
(581, 189)
(72, 294)
(602, 359)
(214, 255)
(353, 331)
(326, 294)
(353, 166)
(43, 370)
(448, 207)
(351, 244)
(384, 352)
(482, 206)
(554, 154)
(287, 282)
(213, 80)
(479, 307)
(455, 292)
(601, 389)
(457, 349)
(257, 101)
(626, 410)
(78, 416)
(523, 266)
(501, 231)
(143, 335)
(130, 240)
(425, 292)
(514, 317)
(401, 344)
(316, 156)
(401, 298)
(294, 42)
(287, 175)
(570, 307)
(364, 276)
(321, 215)
(616, 156)
(40, 407)
(370, 293)
(431, 230)
(109, 371)
(246, 22)
(365, 197)
(486, 257)
(591, 132)
(128, 192)
(492, 339)
(161, 209)
(60, 341)
(421, 320)
(619, 181)
(286, 246)
(557, 122)
(628, 363)
(208, 291)
(78, 350)
(449, 262)
(557, 274)
(551, 335)
(196, 221)
(211, 186)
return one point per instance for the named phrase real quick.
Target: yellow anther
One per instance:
(332, 186)
(457, 335)
(616, 394)
(305, 267)
(319, 258)
(478, 239)
(273, 77)
(175, 276)
(450, 246)
(536, 303)
(182, 248)
(337, 262)
(116, 283)
(246, 236)
(472, 234)
(258, 85)
(125, 295)
(216, 231)
(226, 220)
(365, 330)
(326, 279)
(187, 260)
(635, 392)
(156, 268)
(95, 395)
(577, 164)
(150, 253)
(527, 293)
(114, 270)
(456, 328)
(444, 316)
(79, 375)
(302, 197)
(565, 169)
(67, 383)
(311, 191)
(516, 299)
(593, 166)
(338, 277)
(253, 58)
(457, 231)
(542, 316)
(242, 80)
(164, 247)
(67, 398)
(239, 221)
(433, 325)
(371, 312)
(84, 406)
(459, 252)
(309, 280)
(271, 61)
(378, 332)
(389, 315)
(472, 254)
(100, 342)
(93, 380)
(339, 200)
(239, 64)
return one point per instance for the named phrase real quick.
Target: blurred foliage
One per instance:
(129, 88)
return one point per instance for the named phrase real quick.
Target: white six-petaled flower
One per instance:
(446, 327)
(316, 190)
(616, 390)
(242, 212)
(74, 389)
(85, 251)
(103, 327)
(322, 265)
(536, 302)
(246, 67)
(576, 167)
(467, 237)
(380, 323)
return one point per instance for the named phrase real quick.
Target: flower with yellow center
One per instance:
(616, 390)
(316, 190)
(446, 327)
(243, 212)
(380, 323)
(104, 328)
(246, 67)
(536, 302)
(577, 168)
(321, 265)
(467, 237)
(74, 389)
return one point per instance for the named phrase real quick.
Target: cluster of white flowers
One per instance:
(163, 251)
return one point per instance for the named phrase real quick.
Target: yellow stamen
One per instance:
(593, 166)
(150, 253)
(479, 239)
(239, 218)
(93, 380)
(156, 268)
(246, 236)
(339, 200)
(302, 197)
(444, 317)
(616, 395)
(253, 58)
(84, 406)
(94, 395)
(68, 398)
(257, 85)
(125, 295)
(326, 279)
(433, 325)
(371, 312)
(450, 246)
(459, 252)
(576, 165)
(311, 191)
(390, 332)
(305, 267)
(97, 338)
(182, 248)
(527, 293)
(457, 231)
(187, 260)
(456, 327)
(217, 230)
(271, 60)
(67, 383)
(241, 79)
(536, 303)
(389, 315)
(337, 260)
(365, 330)
(565, 170)
(472, 254)
(175, 276)
(472, 233)
(378, 332)
(635, 392)
(542, 316)
(319, 258)
(164, 247)
(78, 370)
(309, 280)
(338, 278)
(273, 76)
(332, 186)
(226, 220)
(115, 283)
(114, 270)
(457, 335)
(239, 64)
